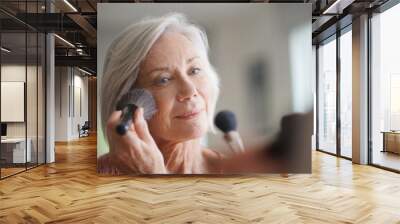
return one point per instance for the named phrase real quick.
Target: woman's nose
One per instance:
(187, 90)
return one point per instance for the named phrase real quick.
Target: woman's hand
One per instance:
(136, 151)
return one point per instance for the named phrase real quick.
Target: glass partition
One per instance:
(13, 95)
(327, 96)
(22, 88)
(31, 100)
(41, 110)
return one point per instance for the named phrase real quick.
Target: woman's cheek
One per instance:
(204, 91)
(164, 104)
(159, 125)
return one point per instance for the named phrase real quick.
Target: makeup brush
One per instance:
(226, 121)
(129, 103)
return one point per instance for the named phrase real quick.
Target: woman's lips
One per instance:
(189, 115)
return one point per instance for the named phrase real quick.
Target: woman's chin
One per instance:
(191, 131)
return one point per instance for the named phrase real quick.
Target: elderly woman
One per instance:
(168, 56)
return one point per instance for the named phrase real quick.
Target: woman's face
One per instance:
(176, 74)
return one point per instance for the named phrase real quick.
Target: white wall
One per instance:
(61, 104)
(12, 73)
(33, 127)
(67, 81)
(80, 83)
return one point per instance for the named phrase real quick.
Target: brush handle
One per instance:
(126, 119)
(234, 141)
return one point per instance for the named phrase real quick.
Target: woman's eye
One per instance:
(195, 71)
(162, 81)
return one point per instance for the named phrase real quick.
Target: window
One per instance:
(327, 97)
(346, 93)
(385, 89)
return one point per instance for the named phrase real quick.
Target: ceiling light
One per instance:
(70, 5)
(338, 6)
(84, 71)
(64, 40)
(5, 50)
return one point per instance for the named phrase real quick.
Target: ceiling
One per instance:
(76, 22)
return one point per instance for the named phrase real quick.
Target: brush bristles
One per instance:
(226, 121)
(141, 98)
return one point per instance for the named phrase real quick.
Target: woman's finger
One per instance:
(129, 149)
(141, 126)
(113, 120)
(131, 139)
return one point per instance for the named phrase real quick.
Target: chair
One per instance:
(84, 130)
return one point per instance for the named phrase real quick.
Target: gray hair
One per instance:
(129, 49)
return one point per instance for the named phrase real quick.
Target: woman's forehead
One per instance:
(171, 48)
(172, 45)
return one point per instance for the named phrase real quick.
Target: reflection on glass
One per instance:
(386, 89)
(31, 100)
(327, 97)
(22, 90)
(345, 94)
(13, 85)
(41, 97)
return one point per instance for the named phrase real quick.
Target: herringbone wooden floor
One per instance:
(70, 191)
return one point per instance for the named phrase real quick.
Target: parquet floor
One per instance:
(9, 171)
(70, 191)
